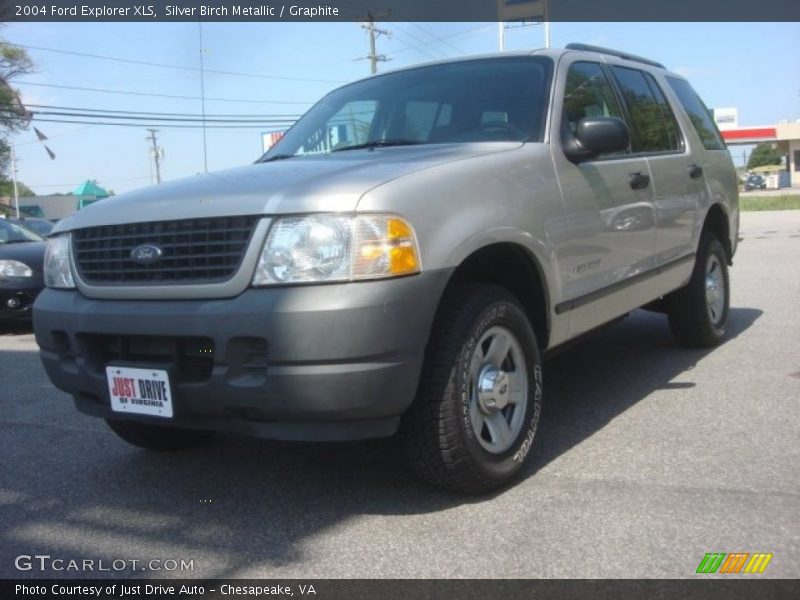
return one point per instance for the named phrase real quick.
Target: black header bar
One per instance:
(398, 10)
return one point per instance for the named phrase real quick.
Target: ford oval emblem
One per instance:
(146, 254)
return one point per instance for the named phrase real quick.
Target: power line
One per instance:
(166, 114)
(162, 125)
(74, 183)
(57, 135)
(421, 41)
(468, 32)
(173, 96)
(416, 48)
(436, 37)
(105, 182)
(89, 115)
(168, 66)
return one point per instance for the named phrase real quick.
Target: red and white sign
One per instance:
(139, 391)
(269, 139)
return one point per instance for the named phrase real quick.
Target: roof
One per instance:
(553, 53)
(90, 188)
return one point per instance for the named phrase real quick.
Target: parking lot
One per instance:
(649, 457)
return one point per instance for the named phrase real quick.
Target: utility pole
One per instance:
(374, 33)
(156, 153)
(546, 26)
(14, 177)
(203, 98)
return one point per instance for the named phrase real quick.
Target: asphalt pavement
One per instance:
(649, 456)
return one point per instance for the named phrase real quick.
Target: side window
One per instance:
(588, 93)
(699, 115)
(673, 129)
(654, 125)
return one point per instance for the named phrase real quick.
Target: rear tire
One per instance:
(473, 423)
(157, 437)
(698, 312)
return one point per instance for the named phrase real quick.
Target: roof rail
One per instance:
(617, 53)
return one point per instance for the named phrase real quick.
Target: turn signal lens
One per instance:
(384, 246)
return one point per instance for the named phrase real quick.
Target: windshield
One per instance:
(37, 226)
(11, 234)
(484, 100)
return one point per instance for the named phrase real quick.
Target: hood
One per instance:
(330, 182)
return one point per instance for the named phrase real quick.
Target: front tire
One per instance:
(698, 313)
(472, 425)
(157, 437)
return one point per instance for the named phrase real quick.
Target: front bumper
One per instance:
(322, 362)
(17, 295)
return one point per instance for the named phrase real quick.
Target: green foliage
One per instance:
(782, 202)
(763, 155)
(14, 61)
(7, 189)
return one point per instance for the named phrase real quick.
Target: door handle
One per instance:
(638, 181)
(695, 171)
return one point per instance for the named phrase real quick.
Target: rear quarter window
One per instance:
(654, 126)
(698, 114)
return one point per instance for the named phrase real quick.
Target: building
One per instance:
(58, 206)
(785, 136)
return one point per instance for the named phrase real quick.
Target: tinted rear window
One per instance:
(654, 125)
(699, 115)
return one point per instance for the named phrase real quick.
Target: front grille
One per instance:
(193, 251)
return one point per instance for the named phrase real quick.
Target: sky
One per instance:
(284, 67)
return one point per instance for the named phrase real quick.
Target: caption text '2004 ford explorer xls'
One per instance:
(399, 261)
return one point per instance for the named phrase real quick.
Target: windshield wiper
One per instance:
(379, 144)
(278, 157)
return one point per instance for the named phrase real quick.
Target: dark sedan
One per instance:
(755, 182)
(21, 264)
(38, 226)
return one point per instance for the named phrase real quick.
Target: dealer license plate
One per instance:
(139, 391)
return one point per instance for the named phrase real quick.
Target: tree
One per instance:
(763, 155)
(7, 189)
(14, 61)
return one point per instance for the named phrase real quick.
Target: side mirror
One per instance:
(595, 136)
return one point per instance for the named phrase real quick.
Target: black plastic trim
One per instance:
(617, 53)
(569, 305)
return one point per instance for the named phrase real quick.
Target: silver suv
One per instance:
(399, 261)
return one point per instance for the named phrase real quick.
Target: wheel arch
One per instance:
(717, 221)
(515, 268)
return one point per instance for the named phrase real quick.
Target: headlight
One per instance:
(320, 248)
(57, 270)
(14, 268)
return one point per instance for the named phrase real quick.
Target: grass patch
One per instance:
(782, 202)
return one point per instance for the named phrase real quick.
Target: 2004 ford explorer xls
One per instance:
(399, 261)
